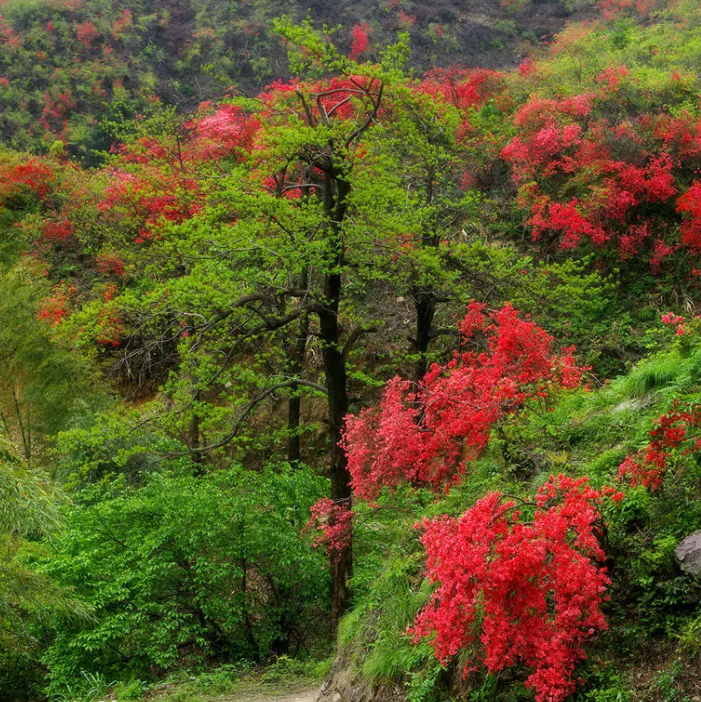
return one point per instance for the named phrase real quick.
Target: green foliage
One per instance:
(652, 376)
(86, 687)
(43, 386)
(131, 691)
(604, 683)
(187, 566)
(29, 504)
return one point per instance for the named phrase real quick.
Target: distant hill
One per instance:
(70, 69)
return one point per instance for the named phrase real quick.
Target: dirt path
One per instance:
(306, 694)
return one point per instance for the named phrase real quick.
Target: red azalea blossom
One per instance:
(110, 264)
(517, 590)
(334, 525)
(55, 308)
(360, 40)
(86, 33)
(428, 436)
(674, 433)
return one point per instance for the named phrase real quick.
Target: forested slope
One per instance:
(400, 367)
(74, 70)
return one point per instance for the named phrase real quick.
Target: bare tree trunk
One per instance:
(335, 193)
(294, 412)
(336, 384)
(425, 298)
(425, 306)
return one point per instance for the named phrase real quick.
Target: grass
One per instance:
(240, 681)
(284, 676)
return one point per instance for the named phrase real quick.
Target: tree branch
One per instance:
(296, 382)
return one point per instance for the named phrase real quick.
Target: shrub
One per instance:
(186, 569)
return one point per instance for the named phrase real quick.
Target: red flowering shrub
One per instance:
(56, 110)
(585, 179)
(56, 307)
(690, 204)
(333, 523)
(359, 40)
(109, 325)
(57, 232)
(155, 195)
(518, 590)
(123, 22)
(639, 8)
(672, 320)
(672, 435)
(463, 88)
(224, 132)
(427, 436)
(110, 264)
(161, 178)
(32, 175)
(405, 20)
(86, 33)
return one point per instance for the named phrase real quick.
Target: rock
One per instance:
(688, 554)
(346, 684)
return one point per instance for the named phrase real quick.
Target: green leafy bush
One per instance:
(187, 569)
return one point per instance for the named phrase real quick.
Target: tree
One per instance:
(29, 513)
(43, 385)
(209, 567)
(275, 237)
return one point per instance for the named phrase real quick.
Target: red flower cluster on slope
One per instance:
(110, 264)
(586, 175)
(334, 525)
(55, 307)
(33, 175)
(515, 591)
(621, 180)
(615, 8)
(690, 204)
(672, 320)
(428, 436)
(359, 40)
(153, 196)
(58, 231)
(124, 21)
(86, 33)
(462, 88)
(163, 178)
(109, 330)
(672, 434)
(224, 132)
(56, 110)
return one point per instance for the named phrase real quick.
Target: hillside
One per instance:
(74, 70)
(360, 372)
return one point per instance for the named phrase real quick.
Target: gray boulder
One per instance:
(688, 554)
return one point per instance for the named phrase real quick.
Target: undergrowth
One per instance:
(654, 624)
